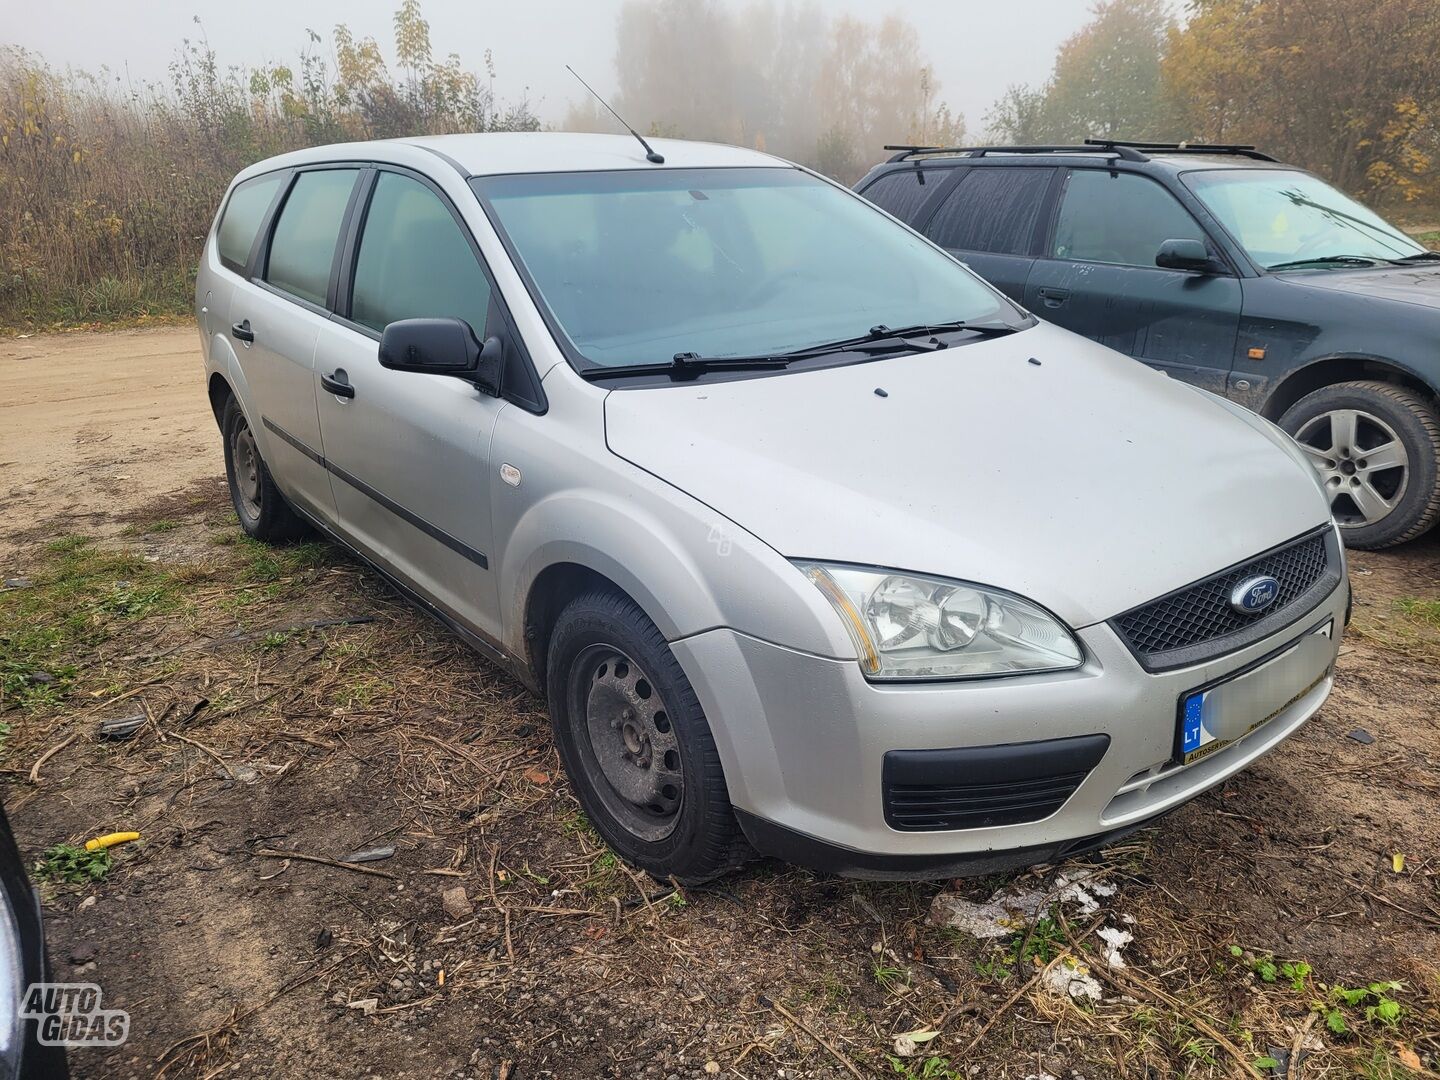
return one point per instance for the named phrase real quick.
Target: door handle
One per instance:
(1054, 298)
(338, 383)
(241, 331)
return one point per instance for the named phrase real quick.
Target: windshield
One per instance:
(1281, 216)
(636, 267)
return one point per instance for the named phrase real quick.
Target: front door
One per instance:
(408, 453)
(1099, 278)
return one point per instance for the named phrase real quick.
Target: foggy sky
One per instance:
(977, 48)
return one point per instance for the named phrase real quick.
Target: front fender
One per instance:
(689, 569)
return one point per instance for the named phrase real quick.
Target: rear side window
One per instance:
(415, 260)
(247, 206)
(1118, 218)
(992, 209)
(302, 247)
(902, 192)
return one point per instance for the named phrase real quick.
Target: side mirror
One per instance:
(443, 347)
(1185, 255)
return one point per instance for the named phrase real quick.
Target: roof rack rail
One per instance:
(1238, 149)
(1127, 153)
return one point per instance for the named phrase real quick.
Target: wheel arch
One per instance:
(220, 391)
(551, 590)
(1339, 369)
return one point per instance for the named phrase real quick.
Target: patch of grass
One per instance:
(889, 977)
(164, 525)
(1430, 239)
(81, 595)
(275, 640)
(1422, 611)
(74, 865)
(266, 563)
(933, 1067)
(362, 692)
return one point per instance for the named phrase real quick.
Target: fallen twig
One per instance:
(1299, 1044)
(35, 769)
(201, 746)
(836, 1054)
(354, 868)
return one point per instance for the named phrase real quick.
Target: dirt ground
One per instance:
(291, 706)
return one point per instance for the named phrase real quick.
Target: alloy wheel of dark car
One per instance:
(1376, 448)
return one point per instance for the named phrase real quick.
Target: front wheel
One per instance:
(1376, 448)
(635, 742)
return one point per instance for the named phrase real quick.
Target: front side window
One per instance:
(635, 267)
(247, 206)
(1120, 218)
(302, 247)
(1282, 216)
(415, 261)
(992, 209)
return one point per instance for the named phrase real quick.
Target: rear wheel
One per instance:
(262, 510)
(635, 742)
(1376, 448)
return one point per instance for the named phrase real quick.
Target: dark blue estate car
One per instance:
(1253, 279)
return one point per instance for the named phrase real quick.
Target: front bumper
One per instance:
(803, 739)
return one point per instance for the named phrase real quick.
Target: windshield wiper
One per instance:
(930, 329)
(879, 339)
(1343, 260)
(1419, 256)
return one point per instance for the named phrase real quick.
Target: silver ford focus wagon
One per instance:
(816, 544)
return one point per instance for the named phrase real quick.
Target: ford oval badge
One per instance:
(1254, 595)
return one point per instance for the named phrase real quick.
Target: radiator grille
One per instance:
(1201, 614)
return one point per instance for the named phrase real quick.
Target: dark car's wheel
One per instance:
(262, 510)
(1377, 450)
(635, 742)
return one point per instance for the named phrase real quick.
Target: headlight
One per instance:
(907, 626)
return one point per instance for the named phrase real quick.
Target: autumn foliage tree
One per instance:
(1349, 88)
(1106, 82)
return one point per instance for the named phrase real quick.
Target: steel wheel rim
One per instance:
(630, 741)
(245, 459)
(1361, 461)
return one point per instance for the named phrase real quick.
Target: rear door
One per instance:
(409, 452)
(1099, 278)
(992, 219)
(276, 318)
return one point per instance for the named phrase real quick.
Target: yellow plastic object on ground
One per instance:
(110, 840)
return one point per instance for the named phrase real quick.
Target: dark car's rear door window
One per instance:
(903, 192)
(302, 247)
(992, 208)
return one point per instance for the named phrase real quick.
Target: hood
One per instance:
(1418, 284)
(1088, 483)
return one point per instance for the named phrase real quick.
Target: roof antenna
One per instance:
(650, 154)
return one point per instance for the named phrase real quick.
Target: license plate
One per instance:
(1214, 716)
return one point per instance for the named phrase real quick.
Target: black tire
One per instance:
(262, 510)
(1411, 490)
(618, 696)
